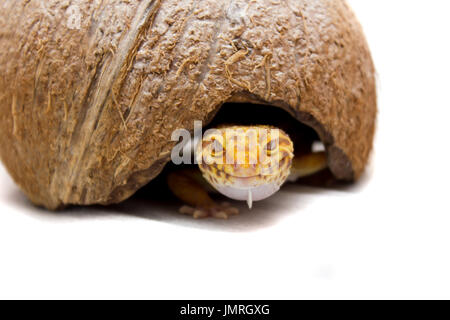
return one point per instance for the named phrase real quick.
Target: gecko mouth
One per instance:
(249, 193)
(245, 182)
(250, 189)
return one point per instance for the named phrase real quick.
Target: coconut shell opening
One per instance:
(246, 109)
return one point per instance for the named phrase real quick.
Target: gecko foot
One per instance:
(219, 211)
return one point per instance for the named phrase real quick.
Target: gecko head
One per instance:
(247, 163)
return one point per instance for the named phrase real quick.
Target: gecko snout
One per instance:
(246, 163)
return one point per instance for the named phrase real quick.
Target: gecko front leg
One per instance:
(185, 186)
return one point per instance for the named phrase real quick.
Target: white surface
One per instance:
(387, 237)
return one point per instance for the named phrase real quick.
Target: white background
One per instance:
(387, 237)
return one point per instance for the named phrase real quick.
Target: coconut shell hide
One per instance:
(91, 91)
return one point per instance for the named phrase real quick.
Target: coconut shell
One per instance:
(90, 93)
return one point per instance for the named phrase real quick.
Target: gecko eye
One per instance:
(271, 147)
(216, 148)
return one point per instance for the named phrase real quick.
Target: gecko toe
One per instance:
(220, 215)
(200, 214)
(222, 211)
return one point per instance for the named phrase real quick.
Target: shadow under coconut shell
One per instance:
(155, 202)
(163, 207)
(263, 215)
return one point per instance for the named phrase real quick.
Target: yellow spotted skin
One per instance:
(245, 155)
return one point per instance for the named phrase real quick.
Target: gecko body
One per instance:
(248, 163)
